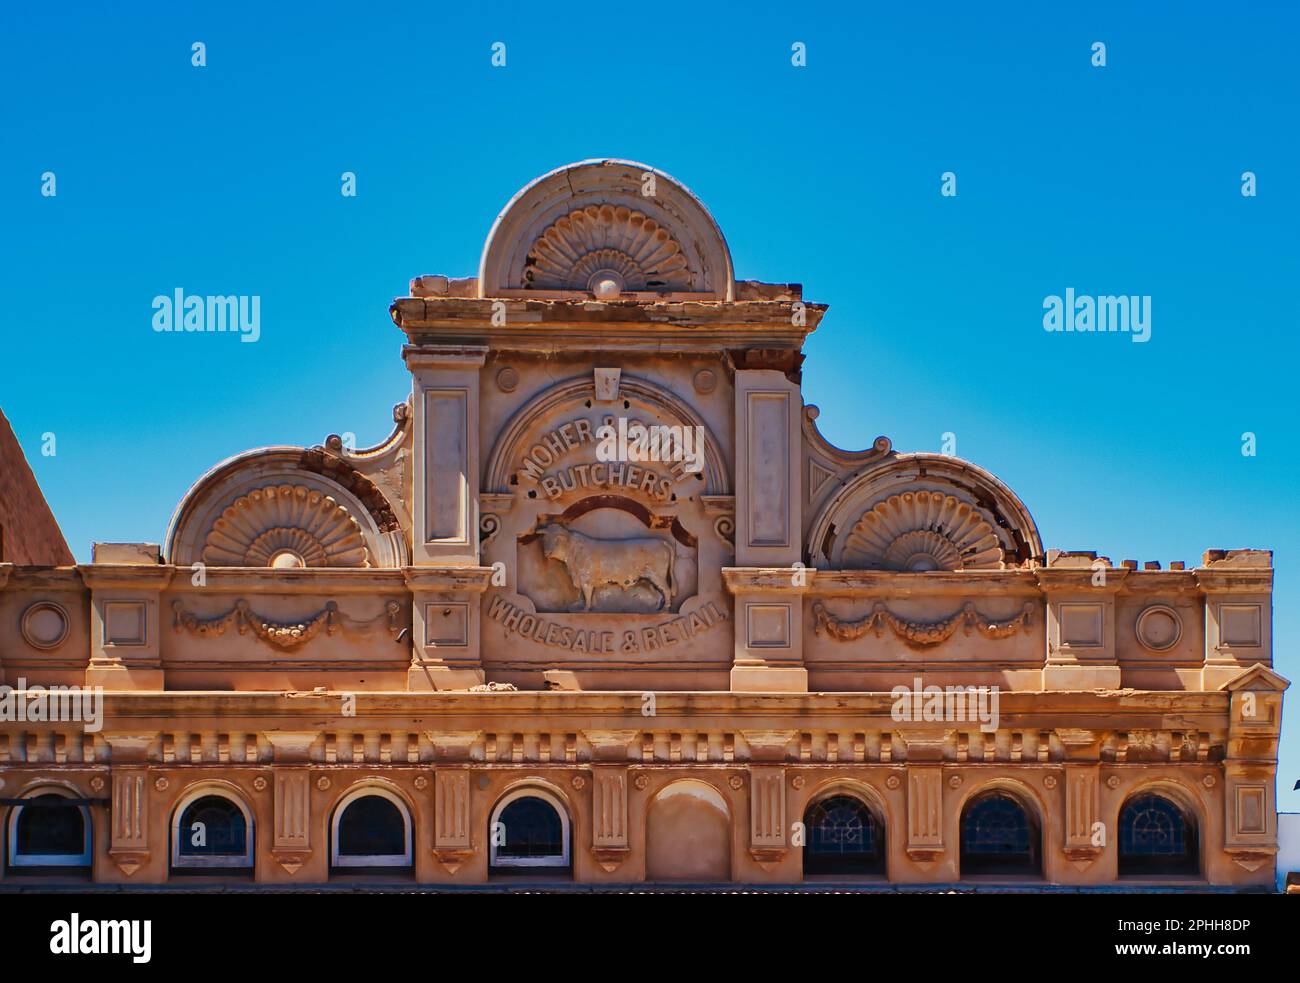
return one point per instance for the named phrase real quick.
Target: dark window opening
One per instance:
(998, 836)
(49, 831)
(1156, 837)
(529, 829)
(212, 826)
(843, 837)
(372, 826)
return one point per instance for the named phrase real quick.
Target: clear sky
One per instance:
(1122, 179)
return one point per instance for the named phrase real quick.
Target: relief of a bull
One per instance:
(594, 563)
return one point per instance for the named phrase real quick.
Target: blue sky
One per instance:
(1123, 179)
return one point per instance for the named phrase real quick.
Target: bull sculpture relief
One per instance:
(594, 563)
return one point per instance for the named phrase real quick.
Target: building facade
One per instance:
(607, 608)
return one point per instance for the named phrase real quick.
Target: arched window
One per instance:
(211, 831)
(1156, 837)
(49, 831)
(529, 828)
(843, 836)
(371, 828)
(999, 836)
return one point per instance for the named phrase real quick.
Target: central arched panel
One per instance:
(688, 834)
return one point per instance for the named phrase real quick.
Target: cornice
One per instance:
(623, 710)
(1238, 581)
(583, 326)
(879, 583)
(312, 580)
(475, 579)
(113, 576)
(1057, 579)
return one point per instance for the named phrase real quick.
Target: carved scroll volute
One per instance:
(291, 843)
(452, 845)
(129, 847)
(609, 843)
(767, 844)
(924, 814)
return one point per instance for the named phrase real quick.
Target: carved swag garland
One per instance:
(280, 634)
(918, 634)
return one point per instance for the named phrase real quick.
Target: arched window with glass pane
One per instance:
(212, 831)
(49, 830)
(842, 836)
(1156, 837)
(999, 836)
(529, 829)
(371, 828)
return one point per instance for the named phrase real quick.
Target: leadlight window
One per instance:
(843, 837)
(998, 836)
(1156, 837)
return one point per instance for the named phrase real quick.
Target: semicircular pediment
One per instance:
(606, 228)
(262, 509)
(921, 512)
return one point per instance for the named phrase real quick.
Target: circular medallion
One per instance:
(579, 782)
(421, 783)
(259, 784)
(1049, 781)
(1112, 781)
(736, 782)
(1208, 781)
(954, 781)
(641, 781)
(323, 783)
(1159, 628)
(45, 625)
(97, 784)
(706, 380)
(893, 781)
(161, 784)
(797, 782)
(507, 379)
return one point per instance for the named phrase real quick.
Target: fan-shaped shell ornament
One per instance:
(286, 526)
(606, 239)
(923, 530)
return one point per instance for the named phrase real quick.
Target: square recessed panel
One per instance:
(1081, 625)
(446, 625)
(124, 622)
(769, 626)
(1239, 625)
(1251, 800)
